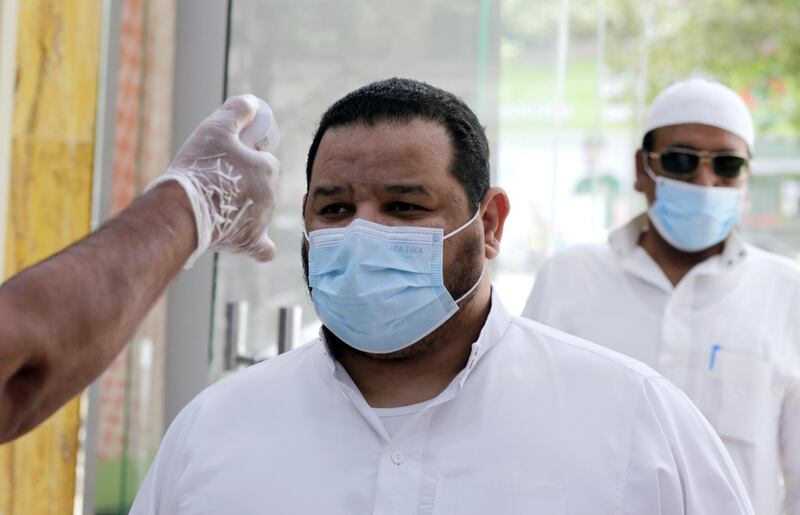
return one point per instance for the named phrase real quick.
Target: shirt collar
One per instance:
(495, 327)
(497, 323)
(625, 241)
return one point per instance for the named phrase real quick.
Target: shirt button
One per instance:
(398, 457)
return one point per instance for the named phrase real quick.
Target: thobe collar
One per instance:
(497, 324)
(624, 241)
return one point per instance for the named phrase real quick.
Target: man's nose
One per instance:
(705, 174)
(372, 212)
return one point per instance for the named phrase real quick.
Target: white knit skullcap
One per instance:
(703, 101)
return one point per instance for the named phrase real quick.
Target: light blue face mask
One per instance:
(378, 288)
(691, 217)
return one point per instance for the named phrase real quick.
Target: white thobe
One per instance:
(538, 422)
(728, 335)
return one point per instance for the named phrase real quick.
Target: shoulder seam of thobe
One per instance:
(785, 419)
(796, 362)
(634, 424)
(790, 496)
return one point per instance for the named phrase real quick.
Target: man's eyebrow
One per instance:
(407, 189)
(327, 191)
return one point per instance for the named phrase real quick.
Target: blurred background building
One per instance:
(96, 95)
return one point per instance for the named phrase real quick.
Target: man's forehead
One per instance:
(381, 137)
(415, 152)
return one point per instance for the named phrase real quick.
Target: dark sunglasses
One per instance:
(683, 163)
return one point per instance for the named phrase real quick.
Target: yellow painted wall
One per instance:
(49, 207)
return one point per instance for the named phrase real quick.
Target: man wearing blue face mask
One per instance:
(678, 289)
(422, 395)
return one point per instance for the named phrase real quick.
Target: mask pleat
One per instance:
(379, 288)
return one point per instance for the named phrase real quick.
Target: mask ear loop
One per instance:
(474, 286)
(646, 162)
(483, 269)
(469, 222)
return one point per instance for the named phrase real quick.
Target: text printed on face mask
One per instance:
(405, 249)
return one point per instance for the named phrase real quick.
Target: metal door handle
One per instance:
(236, 335)
(289, 318)
(236, 313)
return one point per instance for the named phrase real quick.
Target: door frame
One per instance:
(201, 39)
(200, 63)
(9, 17)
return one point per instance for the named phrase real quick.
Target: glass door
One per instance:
(562, 87)
(301, 56)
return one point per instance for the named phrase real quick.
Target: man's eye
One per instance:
(403, 207)
(334, 209)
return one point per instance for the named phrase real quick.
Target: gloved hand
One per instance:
(231, 186)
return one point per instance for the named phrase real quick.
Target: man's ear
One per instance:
(641, 175)
(494, 210)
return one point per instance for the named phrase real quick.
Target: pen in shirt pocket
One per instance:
(712, 359)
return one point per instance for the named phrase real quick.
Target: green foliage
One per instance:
(752, 46)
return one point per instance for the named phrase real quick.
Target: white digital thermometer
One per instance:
(262, 133)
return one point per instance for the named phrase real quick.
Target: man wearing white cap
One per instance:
(678, 289)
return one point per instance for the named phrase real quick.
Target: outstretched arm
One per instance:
(65, 319)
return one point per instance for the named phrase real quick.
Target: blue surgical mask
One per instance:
(691, 217)
(378, 288)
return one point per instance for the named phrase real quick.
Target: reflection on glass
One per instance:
(131, 407)
(562, 88)
(301, 57)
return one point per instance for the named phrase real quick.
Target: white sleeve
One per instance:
(790, 447)
(537, 304)
(160, 491)
(677, 464)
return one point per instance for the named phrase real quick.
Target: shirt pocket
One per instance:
(499, 498)
(734, 394)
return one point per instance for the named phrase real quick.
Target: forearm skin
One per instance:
(65, 319)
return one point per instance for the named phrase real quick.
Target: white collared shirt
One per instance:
(728, 335)
(538, 422)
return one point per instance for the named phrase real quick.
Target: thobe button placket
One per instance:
(398, 458)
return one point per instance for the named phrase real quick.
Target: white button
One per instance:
(398, 457)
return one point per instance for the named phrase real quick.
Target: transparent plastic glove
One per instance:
(231, 186)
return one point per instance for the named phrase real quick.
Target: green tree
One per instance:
(753, 46)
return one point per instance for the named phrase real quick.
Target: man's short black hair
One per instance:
(404, 100)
